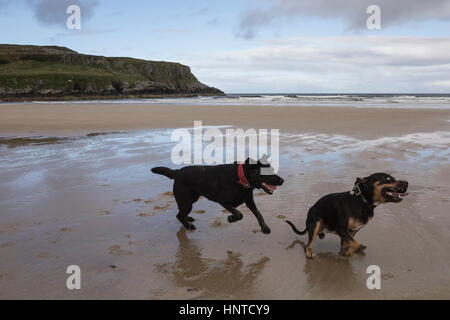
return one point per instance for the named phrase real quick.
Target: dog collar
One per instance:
(357, 192)
(242, 180)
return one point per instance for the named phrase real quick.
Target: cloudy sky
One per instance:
(256, 46)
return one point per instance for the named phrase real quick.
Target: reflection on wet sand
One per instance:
(212, 278)
(329, 273)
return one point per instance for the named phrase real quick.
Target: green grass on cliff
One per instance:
(62, 68)
(50, 74)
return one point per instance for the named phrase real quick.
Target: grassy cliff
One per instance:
(58, 72)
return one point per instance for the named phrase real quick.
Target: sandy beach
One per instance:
(19, 119)
(76, 189)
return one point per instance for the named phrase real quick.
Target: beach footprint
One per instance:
(387, 276)
(43, 254)
(143, 215)
(7, 244)
(216, 223)
(105, 213)
(164, 207)
(115, 250)
(138, 243)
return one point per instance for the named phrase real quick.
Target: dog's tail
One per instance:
(295, 229)
(169, 173)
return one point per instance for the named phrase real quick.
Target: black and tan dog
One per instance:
(230, 185)
(347, 212)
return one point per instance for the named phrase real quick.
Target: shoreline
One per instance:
(69, 98)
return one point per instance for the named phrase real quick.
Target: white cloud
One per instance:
(331, 64)
(444, 84)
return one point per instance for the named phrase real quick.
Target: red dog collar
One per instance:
(242, 180)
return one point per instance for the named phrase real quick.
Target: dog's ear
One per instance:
(261, 163)
(264, 161)
(253, 164)
(250, 161)
(361, 180)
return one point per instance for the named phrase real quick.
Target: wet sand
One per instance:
(70, 197)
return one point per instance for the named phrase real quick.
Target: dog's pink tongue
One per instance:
(270, 187)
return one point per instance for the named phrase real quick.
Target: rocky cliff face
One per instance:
(50, 71)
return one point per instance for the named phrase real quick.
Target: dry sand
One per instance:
(69, 119)
(91, 201)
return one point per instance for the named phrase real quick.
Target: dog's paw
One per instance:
(190, 219)
(321, 235)
(265, 229)
(362, 247)
(234, 218)
(190, 227)
(346, 252)
(310, 254)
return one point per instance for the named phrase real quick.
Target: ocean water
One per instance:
(400, 101)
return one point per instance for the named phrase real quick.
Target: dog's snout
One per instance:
(402, 185)
(281, 180)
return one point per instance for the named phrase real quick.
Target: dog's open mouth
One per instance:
(268, 188)
(395, 193)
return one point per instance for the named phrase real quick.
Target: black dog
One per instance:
(347, 212)
(230, 185)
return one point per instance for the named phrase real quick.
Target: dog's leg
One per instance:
(250, 203)
(236, 215)
(348, 245)
(194, 198)
(184, 201)
(361, 246)
(313, 231)
(182, 216)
